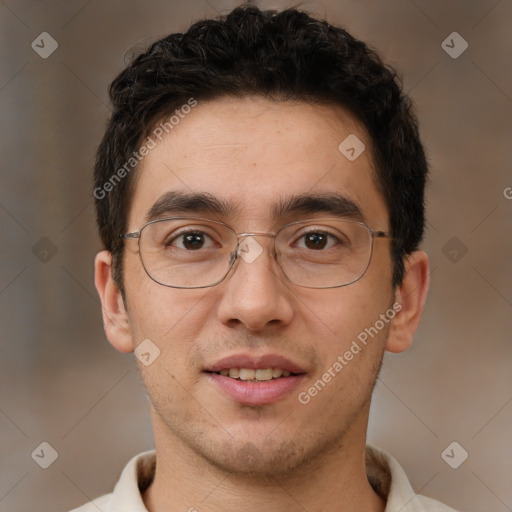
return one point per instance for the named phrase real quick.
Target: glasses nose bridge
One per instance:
(256, 233)
(237, 253)
(242, 236)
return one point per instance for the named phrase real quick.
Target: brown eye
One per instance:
(191, 241)
(315, 240)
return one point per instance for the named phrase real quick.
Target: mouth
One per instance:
(255, 375)
(255, 381)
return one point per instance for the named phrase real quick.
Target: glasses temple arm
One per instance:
(133, 234)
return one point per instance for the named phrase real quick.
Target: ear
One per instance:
(410, 295)
(115, 317)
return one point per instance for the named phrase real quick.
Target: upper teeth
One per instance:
(251, 374)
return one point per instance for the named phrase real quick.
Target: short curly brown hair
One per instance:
(281, 56)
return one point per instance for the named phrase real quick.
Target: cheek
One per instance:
(349, 334)
(340, 314)
(173, 324)
(349, 365)
(171, 318)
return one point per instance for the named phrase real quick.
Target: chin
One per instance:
(263, 460)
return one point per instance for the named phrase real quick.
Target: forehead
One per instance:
(255, 156)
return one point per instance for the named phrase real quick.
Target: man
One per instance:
(259, 192)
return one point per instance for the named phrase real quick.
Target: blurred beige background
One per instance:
(63, 384)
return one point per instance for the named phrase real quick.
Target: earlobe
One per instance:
(115, 316)
(411, 294)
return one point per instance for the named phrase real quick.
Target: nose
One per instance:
(255, 292)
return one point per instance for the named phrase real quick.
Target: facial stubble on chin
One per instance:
(290, 458)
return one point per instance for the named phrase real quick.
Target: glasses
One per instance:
(191, 252)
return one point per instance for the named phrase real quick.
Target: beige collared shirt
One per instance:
(385, 474)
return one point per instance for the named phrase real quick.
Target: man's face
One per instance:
(252, 154)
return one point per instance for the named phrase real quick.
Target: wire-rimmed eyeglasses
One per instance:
(194, 252)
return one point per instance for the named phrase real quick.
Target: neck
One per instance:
(334, 481)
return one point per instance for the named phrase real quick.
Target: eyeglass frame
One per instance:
(234, 256)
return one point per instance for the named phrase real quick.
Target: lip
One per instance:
(256, 393)
(255, 362)
(252, 392)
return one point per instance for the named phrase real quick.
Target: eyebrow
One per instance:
(308, 203)
(180, 202)
(331, 203)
